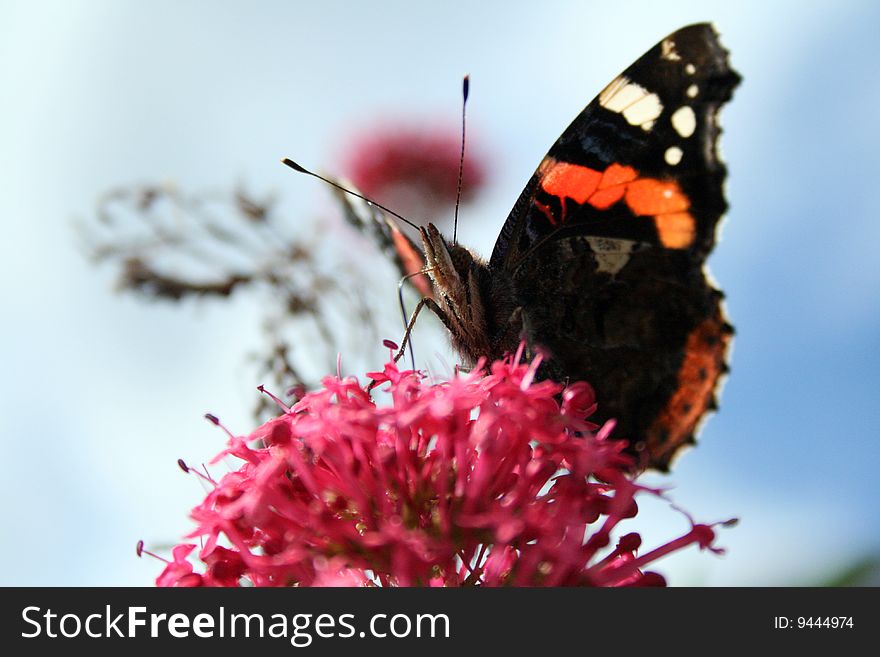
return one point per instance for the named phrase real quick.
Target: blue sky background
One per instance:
(100, 394)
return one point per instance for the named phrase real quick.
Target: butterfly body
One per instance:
(477, 305)
(600, 264)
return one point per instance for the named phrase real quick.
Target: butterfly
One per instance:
(600, 264)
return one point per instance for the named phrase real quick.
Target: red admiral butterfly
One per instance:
(600, 263)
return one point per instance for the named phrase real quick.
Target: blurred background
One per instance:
(101, 393)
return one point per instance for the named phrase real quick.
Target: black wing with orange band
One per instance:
(640, 162)
(606, 246)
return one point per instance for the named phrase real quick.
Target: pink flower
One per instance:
(413, 169)
(488, 479)
(179, 572)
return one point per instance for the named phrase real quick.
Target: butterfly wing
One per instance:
(640, 161)
(605, 247)
(387, 235)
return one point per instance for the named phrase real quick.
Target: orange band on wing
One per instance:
(571, 180)
(677, 230)
(617, 174)
(613, 186)
(703, 364)
(605, 198)
(649, 196)
(663, 200)
(412, 260)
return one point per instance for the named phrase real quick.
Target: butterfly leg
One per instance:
(425, 302)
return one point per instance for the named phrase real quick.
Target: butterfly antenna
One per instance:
(465, 88)
(296, 167)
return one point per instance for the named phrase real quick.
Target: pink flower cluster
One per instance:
(489, 479)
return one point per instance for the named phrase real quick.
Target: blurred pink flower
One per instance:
(413, 169)
(488, 479)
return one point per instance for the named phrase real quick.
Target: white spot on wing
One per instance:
(673, 155)
(684, 121)
(690, 69)
(667, 50)
(692, 91)
(611, 254)
(621, 94)
(643, 110)
(611, 90)
(637, 105)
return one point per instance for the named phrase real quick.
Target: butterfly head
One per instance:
(459, 278)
